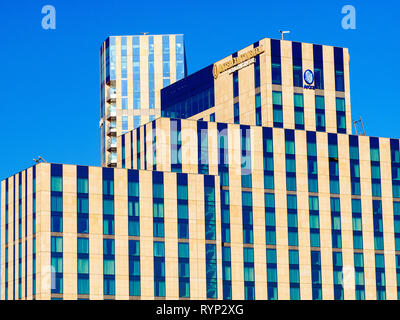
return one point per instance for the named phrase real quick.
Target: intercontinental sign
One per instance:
(243, 60)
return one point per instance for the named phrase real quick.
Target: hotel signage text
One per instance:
(239, 62)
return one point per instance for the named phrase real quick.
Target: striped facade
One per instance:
(343, 189)
(54, 267)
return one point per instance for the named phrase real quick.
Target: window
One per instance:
(56, 198)
(83, 265)
(299, 111)
(336, 223)
(316, 277)
(158, 204)
(159, 269)
(108, 201)
(357, 224)
(354, 166)
(312, 162)
(150, 70)
(294, 275)
(272, 275)
(184, 270)
(320, 113)
(318, 67)
(292, 220)
(226, 273)
(236, 113)
(134, 268)
(249, 285)
(176, 152)
(378, 224)
(258, 110)
(209, 208)
(333, 164)
(341, 115)
(338, 275)
(256, 69)
(290, 160)
(359, 276)
(270, 227)
(166, 59)
(211, 270)
(202, 147)
(395, 162)
(109, 267)
(375, 167)
(380, 277)
(133, 203)
(247, 216)
(180, 57)
(57, 265)
(276, 61)
(183, 207)
(339, 69)
(82, 199)
(297, 64)
(235, 77)
(277, 109)
(268, 157)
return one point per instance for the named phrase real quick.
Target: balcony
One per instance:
(112, 144)
(112, 113)
(112, 131)
(112, 95)
(112, 160)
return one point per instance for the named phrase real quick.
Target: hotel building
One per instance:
(249, 186)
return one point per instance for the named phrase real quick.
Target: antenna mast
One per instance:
(358, 123)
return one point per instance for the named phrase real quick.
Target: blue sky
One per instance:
(50, 78)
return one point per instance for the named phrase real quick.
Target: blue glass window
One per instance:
(158, 204)
(83, 265)
(339, 69)
(294, 275)
(57, 265)
(184, 270)
(202, 147)
(109, 267)
(341, 115)
(176, 152)
(226, 273)
(134, 268)
(320, 113)
(159, 269)
(297, 64)
(209, 208)
(277, 109)
(316, 277)
(272, 275)
(166, 61)
(276, 61)
(299, 111)
(318, 67)
(249, 282)
(211, 270)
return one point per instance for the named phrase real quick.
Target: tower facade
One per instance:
(133, 70)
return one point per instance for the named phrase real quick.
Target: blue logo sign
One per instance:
(309, 79)
(308, 76)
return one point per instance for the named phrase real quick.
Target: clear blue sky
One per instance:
(50, 78)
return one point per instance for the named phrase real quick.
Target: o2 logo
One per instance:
(309, 79)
